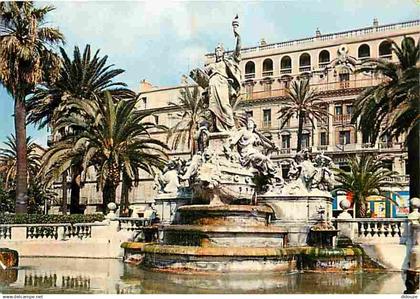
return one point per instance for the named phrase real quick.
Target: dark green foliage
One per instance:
(37, 218)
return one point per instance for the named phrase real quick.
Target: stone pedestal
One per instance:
(297, 214)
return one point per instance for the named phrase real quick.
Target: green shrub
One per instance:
(37, 218)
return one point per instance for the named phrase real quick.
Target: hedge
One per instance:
(38, 218)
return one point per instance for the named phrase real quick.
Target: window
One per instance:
(249, 70)
(364, 51)
(344, 76)
(305, 62)
(385, 50)
(286, 84)
(324, 138)
(387, 164)
(344, 166)
(156, 119)
(338, 110)
(286, 65)
(267, 117)
(349, 109)
(285, 141)
(144, 100)
(344, 137)
(324, 58)
(305, 140)
(267, 67)
(249, 113)
(249, 89)
(267, 86)
(285, 170)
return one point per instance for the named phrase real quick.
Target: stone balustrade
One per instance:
(373, 230)
(133, 224)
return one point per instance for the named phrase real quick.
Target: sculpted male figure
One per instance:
(224, 83)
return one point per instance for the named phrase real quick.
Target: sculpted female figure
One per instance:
(224, 83)
(247, 139)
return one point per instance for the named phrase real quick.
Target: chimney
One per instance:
(375, 23)
(263, 42)
(145, 86)
(317, 32)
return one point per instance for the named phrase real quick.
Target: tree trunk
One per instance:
(75, 190)
(22, 167)
(125, 189)
(300, 130)
(108, 194)
(64, 190)
(413, 170)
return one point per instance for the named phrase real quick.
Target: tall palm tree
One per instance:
(302, 102)
(8, 162)
(367, 177)
(82, 77)
(26, 59)
(193, 111)
(392, 108)
(113, 138)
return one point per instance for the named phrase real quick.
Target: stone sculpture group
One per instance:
(228, 158)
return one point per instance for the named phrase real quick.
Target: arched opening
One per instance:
(286, 65)
(385, 50)
(305, 62)
(249, 70)
(267, 67)
(364, 51)
(410, 40)
(324, 58)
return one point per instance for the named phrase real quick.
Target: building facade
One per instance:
(329, 61)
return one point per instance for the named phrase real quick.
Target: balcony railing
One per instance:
(330, 36)
(250, 76)
(319, 87)
(267, 73)
(323, 64)
(387, 57)
(305, 68)
(341, 118)
(286, 71)
(266, 124)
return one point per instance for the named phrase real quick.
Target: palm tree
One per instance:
(301, 103)
(26, 59)
(8, 162)
(392, 107)
(112, 137)
(191, 103)
(83, 77)
(367, 177)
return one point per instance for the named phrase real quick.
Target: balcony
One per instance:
(249, 76)
(341, 118)
(322, 65)
(387, 57)
(325, 87)
(286, 71)
(267, 74)
(305, 68)
(266, 125)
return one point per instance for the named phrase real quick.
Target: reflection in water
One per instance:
(59, 275)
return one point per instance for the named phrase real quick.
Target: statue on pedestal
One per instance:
(221, 80)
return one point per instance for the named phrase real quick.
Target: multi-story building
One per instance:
(329, 62)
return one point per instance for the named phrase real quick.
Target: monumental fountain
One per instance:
(216, 220)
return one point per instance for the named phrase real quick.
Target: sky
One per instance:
(161, 40)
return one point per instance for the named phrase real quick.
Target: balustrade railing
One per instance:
(133, 224)
(44, 231)
(52, 231)
(373, 228)
(5, 232)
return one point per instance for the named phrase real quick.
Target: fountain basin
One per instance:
(225, 236)
(219, 259)
(238, 215)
